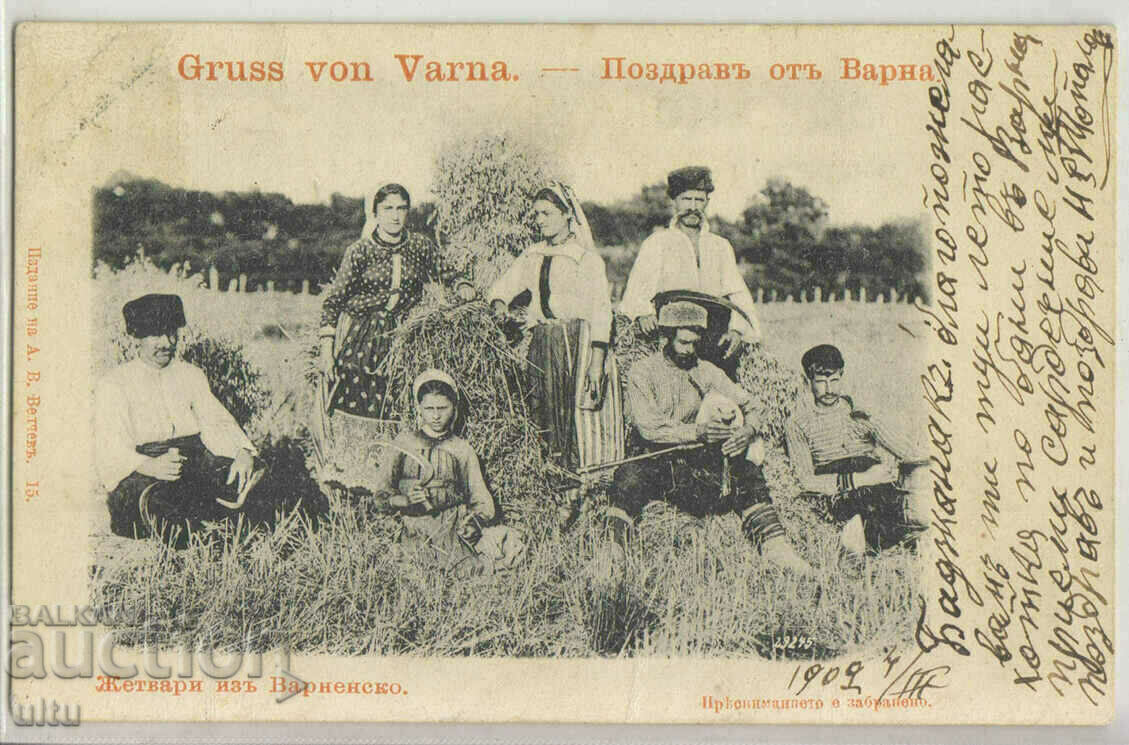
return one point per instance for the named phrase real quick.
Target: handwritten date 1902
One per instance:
(901, 680)
(824, 677)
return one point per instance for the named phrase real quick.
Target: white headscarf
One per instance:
(577, 222)
(370, 213)
(438, 375)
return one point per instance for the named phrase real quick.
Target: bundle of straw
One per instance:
(465, 341)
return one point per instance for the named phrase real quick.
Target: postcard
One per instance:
(579, 374)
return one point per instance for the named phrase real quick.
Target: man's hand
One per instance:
(648, 324)
(884, 472)
(164, 467)
(419, 496)
(240, 472)
(730, 343)
(714, 431)
(738, 442)
(325, 356)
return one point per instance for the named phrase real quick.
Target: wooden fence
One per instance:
(760, 295)
(815, 295)
(811, 295)
(242, 284)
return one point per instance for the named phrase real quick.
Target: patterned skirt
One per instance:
(578, 437)
(360, 346)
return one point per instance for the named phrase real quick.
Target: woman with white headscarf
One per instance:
(576, 395)
(431, 476)
(381, 278)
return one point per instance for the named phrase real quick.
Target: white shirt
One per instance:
(136, 403)
(667, 261)
(578, 284)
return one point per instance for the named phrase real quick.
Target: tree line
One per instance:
(783, 239)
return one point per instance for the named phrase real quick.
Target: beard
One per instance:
(681, 361)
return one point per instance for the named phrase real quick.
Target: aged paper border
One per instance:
(408, 733)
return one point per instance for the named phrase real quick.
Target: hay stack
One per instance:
(482, 188)
(774, 387)
(465, 341)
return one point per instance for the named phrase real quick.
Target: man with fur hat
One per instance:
(687, 256)
(848, 465)
(710, 464)
(167, 451)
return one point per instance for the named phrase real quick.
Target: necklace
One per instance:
(390, 244)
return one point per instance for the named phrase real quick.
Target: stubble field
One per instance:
(693, 588)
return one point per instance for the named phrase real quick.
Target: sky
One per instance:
(857, 145)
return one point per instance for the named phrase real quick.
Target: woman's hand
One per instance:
(325, 356)
(594, 378)
(499, 308)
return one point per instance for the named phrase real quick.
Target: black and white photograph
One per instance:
(688, 345)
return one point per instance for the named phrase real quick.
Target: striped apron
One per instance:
(579, 435)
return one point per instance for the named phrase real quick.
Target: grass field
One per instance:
(694, 588)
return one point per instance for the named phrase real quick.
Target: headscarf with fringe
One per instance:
(577, 222)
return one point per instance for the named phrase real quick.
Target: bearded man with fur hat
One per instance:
(704, 454)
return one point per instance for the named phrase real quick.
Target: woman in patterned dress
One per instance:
(380, 280)
(576, 394)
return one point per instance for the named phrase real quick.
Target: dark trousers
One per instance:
(692, 481)
(141, 504)
(883, 511)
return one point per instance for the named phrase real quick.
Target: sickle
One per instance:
(427, 471)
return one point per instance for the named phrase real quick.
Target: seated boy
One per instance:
(846, 462)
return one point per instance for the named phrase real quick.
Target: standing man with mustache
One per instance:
(687, 256)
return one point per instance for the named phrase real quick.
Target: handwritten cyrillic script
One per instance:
(1020, 385)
